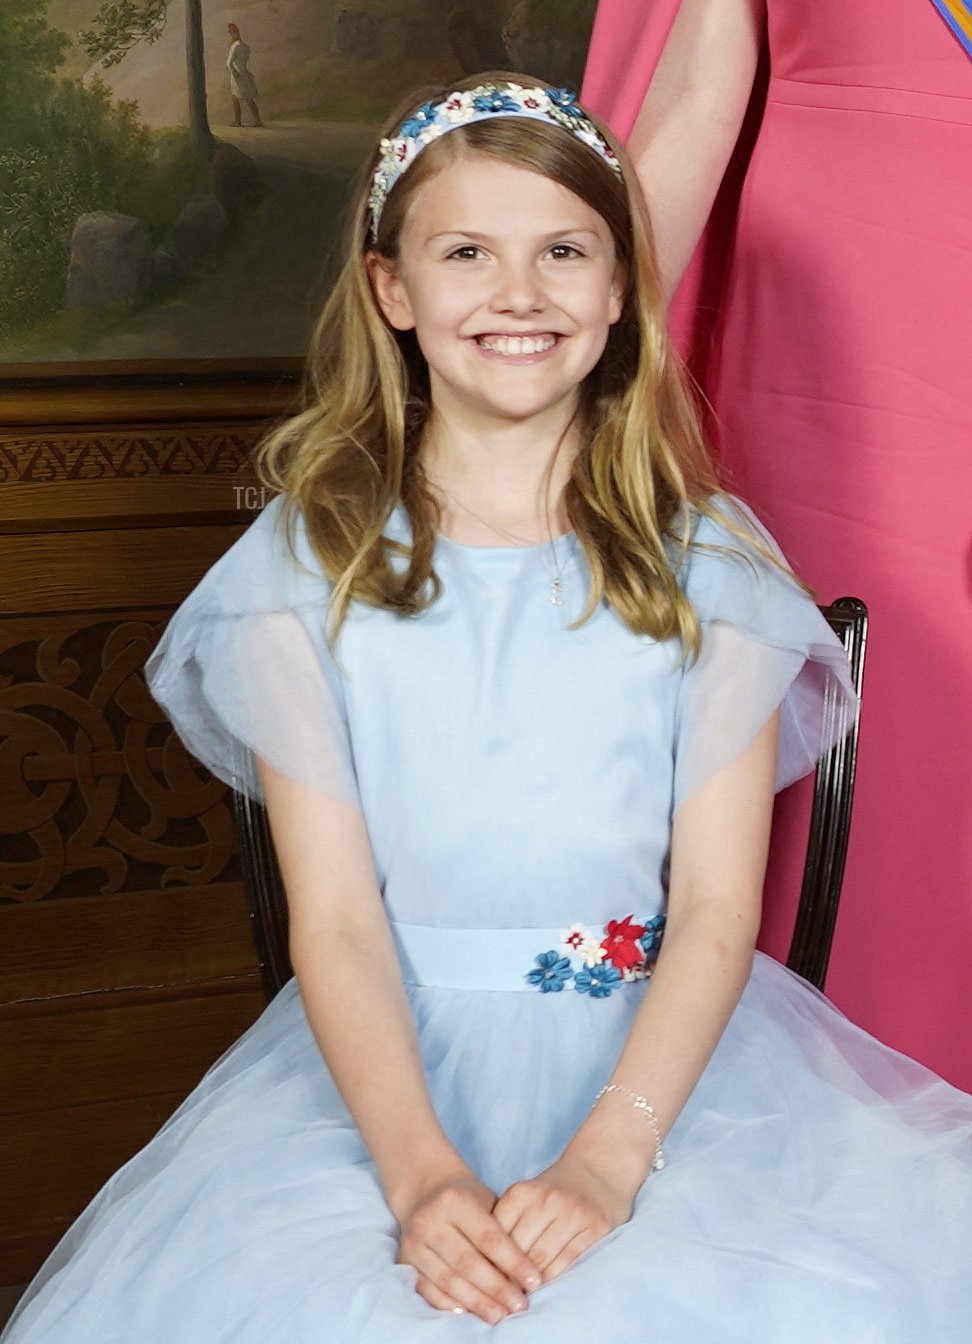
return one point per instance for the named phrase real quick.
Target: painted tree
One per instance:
(120, 25)
(32, 51)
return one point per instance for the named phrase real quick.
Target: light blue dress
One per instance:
(518, 779)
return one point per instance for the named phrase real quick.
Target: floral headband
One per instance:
(557, 106)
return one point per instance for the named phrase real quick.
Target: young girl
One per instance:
(516, 682)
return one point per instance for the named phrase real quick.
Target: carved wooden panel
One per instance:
(98, 794)
(50, 455)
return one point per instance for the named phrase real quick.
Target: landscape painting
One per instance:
(173, 173)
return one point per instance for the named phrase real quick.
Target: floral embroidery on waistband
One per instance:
(598, 964)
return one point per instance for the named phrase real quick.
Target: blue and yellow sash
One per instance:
(958, 16)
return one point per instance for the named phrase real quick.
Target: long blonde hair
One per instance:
(352, 455)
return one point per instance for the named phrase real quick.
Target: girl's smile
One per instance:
(518, 348)
(511, 285)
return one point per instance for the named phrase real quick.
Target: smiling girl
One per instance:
(516, 682)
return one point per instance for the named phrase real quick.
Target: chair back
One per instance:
(822, 877)
(265, 893)
(833, 794)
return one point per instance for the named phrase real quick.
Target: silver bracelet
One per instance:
(640, 1103)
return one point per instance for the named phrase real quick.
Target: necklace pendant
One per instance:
(556, 593)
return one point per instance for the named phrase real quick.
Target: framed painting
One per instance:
(174, 173)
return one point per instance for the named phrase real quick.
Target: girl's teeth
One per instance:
(518, 345)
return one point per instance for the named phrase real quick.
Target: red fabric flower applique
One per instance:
(621, 945)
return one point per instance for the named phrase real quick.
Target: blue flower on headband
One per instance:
(566, 99)
(496, 102)
(420, 120)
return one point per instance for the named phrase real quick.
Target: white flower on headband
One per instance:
(535, 100)
(458, 107)
(403, 152)
(592, 137)
(376, 197)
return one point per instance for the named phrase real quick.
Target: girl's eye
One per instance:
(565, 251)
(467, 253)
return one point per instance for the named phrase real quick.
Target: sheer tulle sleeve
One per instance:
(765, 646)
(243, 667)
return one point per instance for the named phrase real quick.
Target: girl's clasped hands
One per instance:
(476, 1253)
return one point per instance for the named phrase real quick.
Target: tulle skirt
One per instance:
(818, 1189)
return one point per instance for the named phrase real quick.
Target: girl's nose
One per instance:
(518, 290)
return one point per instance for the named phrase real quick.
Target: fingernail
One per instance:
(533, 1281)
(494, 1315)
(458, 1311)
(519, 1305)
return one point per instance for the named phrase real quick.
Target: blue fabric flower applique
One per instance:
(651, 939)
(552, 972)
(420, 120)
(566, 100)
(598, 981)
(497, 101)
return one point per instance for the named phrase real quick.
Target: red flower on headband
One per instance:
(621, 945)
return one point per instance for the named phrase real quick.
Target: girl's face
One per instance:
(510, 283)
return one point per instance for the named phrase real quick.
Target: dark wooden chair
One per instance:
(833, 794)
(822, 876)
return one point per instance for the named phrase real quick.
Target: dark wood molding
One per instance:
(39, 395)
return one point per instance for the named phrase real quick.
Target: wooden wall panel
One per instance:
(136, 940)
(126, 963)
(109, 1051)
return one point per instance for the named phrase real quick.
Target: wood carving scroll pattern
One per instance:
(97, 793)
(105, 455)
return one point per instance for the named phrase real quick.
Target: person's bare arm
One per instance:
(351, 985)
(690, 121)
(720, 838)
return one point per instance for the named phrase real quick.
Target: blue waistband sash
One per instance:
(475, 959)
(496, 959)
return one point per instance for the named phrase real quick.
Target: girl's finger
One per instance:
(577, 1246)
(488, 1235)
(529, 1210)
(457, 1282)
(510, 1205)
(435, 1296)
(475, 1263)
(554, 1240)
(526, 1211)
(532, 1223)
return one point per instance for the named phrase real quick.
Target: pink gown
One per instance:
(840, 377)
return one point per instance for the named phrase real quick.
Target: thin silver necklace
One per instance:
(556, 595)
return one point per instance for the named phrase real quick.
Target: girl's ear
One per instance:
(390, 294)
(619, 292)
